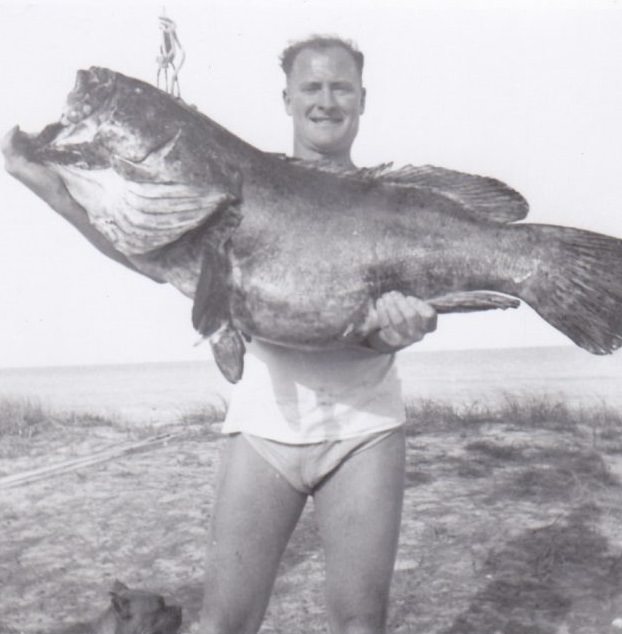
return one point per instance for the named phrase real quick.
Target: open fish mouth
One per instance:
(71, 133)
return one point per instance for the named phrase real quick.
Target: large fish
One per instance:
(296, 254)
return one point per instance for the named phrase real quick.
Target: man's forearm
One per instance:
(51, 189)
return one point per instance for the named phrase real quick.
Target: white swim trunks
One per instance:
(305, 466)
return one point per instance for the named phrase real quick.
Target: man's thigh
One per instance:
(255, 511)
(358, 509)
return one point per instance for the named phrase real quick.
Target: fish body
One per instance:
(297, 253)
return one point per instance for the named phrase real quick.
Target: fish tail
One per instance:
(577, 284)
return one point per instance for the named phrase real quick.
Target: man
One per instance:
(324, 424)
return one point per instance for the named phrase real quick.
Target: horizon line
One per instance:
(209, 360)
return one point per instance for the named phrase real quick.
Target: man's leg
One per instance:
(358, 508)
(255, 512)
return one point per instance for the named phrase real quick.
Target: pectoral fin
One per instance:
(211, 317)
(211, 314)
(211, 299)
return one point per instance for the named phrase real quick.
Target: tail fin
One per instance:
(578, 285)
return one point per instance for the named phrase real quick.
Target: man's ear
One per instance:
(287, 102)
(363, 98)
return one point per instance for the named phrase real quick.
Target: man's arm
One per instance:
(48, 186)
(401, 320)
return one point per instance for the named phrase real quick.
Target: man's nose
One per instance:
(326, 98)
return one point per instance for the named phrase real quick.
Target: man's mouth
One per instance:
(326, 120)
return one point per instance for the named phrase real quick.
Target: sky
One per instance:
(527, 92)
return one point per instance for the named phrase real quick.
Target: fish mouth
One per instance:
(73, 133)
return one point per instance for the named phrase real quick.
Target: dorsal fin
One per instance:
(484, 197)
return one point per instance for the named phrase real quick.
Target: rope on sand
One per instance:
(33, 475)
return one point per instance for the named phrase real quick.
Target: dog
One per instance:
(132, 612)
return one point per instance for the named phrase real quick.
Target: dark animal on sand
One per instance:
(296, 254)
(132, 612)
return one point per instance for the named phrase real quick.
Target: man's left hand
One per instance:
(402, 320)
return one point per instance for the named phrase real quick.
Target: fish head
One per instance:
(134, 158)
(109, 115)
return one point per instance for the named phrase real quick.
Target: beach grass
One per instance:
(24, 422)
(30, 427)
(205, 414)
(544, 412)
(27, 417)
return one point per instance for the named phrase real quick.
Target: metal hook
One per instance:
(172, 55)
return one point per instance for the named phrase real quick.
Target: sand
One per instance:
(507, 529)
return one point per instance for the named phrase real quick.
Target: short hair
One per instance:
(320, 43)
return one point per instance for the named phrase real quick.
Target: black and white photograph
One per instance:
(310, 317)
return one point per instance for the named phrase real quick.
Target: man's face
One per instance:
(325, 98)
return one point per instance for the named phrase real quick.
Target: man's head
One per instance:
(324, 96)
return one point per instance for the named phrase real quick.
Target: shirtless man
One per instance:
(324, 424)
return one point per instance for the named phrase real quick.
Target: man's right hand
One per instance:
(9, 145)
(401, 321)
(13, 145)
(35, 176)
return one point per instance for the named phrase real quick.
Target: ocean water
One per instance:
(567, 373)
(136, 391)
(164, 391)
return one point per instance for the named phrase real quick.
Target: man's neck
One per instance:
(339, 159)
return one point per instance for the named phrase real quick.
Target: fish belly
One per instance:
(318, 288)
